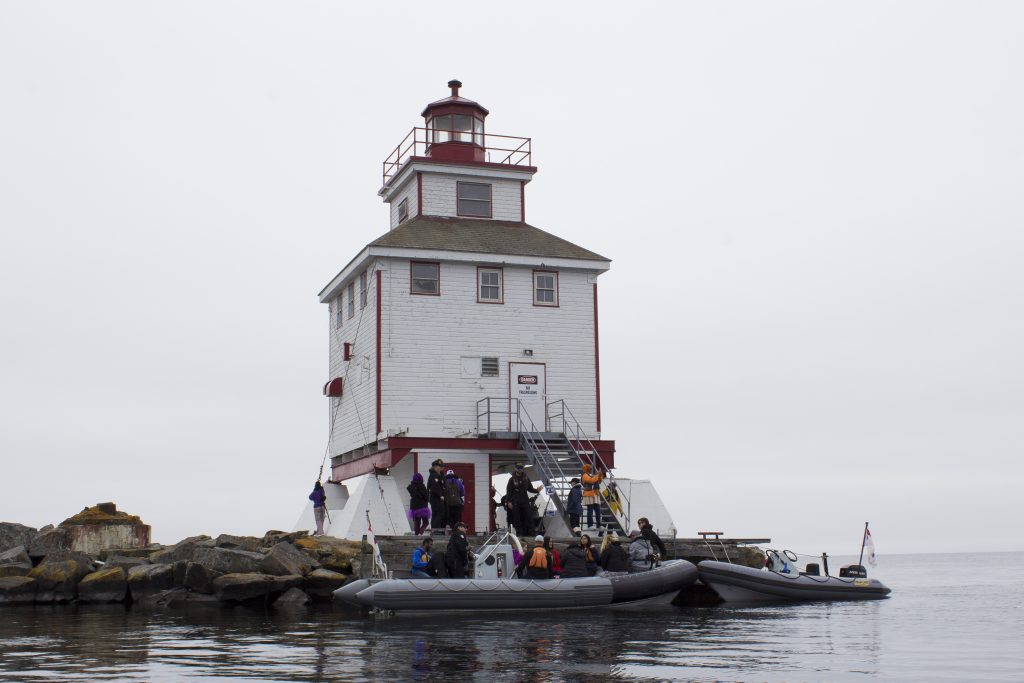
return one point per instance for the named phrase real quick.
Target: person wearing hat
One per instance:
(641, 554)
(454, 497)
(435, 491)
(319, 498)
(614, 557)
(574, 505)
(457, 554)
(537, 562)
(518, 491)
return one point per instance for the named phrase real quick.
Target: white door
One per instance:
(527, 385)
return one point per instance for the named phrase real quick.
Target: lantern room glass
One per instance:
(456, 128)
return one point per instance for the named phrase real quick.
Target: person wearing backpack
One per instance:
(454, 498)
(537, 562)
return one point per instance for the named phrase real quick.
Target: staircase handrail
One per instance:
(530, 436)
(574, 433)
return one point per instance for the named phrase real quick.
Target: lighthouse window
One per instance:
(351, 299)
(362, 289)
(426, 278)
(474, 200)
(545, 288)
(489, 285)
(456, 128)
(403, 210)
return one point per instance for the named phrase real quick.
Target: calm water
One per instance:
(935, 627)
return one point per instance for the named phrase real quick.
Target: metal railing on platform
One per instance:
(507, 150)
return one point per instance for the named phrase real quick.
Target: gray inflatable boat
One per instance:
(743, 584)
(608, 589)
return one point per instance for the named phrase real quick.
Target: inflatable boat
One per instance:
(737, 583)
(659, 584)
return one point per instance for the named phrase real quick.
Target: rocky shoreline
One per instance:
(54, 565)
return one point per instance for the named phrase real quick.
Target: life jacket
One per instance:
(539, 558)
(451, 492)
(591, 485)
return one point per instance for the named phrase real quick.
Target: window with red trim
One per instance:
(425, 278)
(545, 288)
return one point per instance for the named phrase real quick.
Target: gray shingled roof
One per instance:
(481, 236)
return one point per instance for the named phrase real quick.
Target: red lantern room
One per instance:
(455, 128)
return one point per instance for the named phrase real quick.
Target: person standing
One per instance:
(574, 505)
(319, 498)
(421, 565)
(435, 491)
(457, 554)
(592, 495)
(518, 490)
(454, 497)
(419, 509)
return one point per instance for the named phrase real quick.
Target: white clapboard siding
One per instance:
(407, 191)
(426, 337)
(440, 196)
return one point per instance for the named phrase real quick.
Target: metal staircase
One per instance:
(558, 456)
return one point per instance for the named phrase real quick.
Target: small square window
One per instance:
(403, 210)
(545, 288)
(351, 299)
(474, 200)
(362, 289)
(489, 285)
(425, 278)
(488, 367)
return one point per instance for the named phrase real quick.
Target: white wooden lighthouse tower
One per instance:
(463, 332)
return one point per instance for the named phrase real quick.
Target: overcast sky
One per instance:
(814, 316)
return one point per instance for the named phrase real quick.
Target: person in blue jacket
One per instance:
(319, 498)
(574, 505)
(421, 565)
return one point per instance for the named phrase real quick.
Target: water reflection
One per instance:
(940, 630)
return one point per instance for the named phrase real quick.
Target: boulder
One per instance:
(48, 542)
(252, 587)
(12, 535)
(17, 555)
(272, 538)
(148, 580)
(284, 559)
(130, 552)
(320, 584)
(125, 562)
(183, 550)
(58, 575)
(336, 554)
(292, 598)
(14, 570)
(250, 543)
(228, 560)
(17, 590)
(105, 585)
(199, 578)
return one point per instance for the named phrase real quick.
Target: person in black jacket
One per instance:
(647, 531)
(435, 490)
(457, 555)
(574, 562)
(614, 557)
(518, 491)
(418, 510)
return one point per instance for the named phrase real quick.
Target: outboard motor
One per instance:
(812, 569)
(853, 571)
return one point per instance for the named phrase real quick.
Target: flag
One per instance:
(869, 548)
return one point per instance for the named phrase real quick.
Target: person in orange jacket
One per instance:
(592, 495)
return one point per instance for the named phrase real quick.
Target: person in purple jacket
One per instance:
(319, 498)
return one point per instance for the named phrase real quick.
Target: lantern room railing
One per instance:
(507, 150)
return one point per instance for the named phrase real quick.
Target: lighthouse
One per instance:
(464, 334)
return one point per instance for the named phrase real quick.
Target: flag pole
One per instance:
(863, 540)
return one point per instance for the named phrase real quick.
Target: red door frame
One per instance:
(468, 473)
